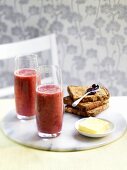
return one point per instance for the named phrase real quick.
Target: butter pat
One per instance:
(93, 125)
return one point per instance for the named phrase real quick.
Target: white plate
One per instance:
(109, 131)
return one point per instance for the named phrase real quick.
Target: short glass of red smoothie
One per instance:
(25, 81)
(49, 102)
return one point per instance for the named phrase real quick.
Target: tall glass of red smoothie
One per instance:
(49, 102)
(25, 80)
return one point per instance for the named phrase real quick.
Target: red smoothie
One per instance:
(49, 109)
(25, 91)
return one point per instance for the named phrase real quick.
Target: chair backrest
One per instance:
(26, 47)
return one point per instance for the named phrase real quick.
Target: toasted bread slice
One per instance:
(84, 106)
(78, 91)
(88, 113)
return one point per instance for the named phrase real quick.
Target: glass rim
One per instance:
(47, 69)
(49, 65)
(27, 55)
(30, 59)
(42, 67)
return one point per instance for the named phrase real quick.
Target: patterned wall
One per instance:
(91, 36)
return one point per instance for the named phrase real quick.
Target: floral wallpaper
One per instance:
(91, 37)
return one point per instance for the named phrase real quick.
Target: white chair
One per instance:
(26, 47)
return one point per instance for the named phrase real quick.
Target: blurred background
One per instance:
(91, 38)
